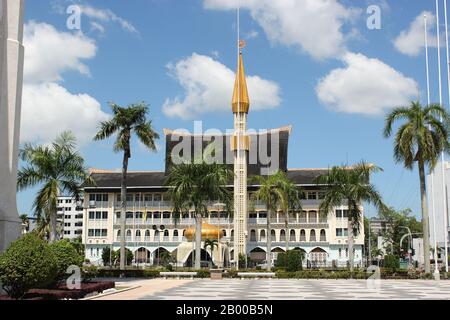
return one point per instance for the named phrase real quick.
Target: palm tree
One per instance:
(125, 122)
(421, 138)
(194, 185)
(350, 186)
(272, 192)
(211, 243)
(58, 169)
(289, 202)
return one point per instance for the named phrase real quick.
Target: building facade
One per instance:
(70, 217)
(152, 230)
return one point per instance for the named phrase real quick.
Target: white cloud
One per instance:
(208, 86)
(365, 86)
(412, 41)
(48, 108)
(314, 26)
(49, 53)
(105, 16)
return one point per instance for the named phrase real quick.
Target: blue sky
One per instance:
(320, 70)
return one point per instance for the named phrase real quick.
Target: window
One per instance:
(138, 233)
(321, 195)
(148, 198)
(92, 197)
(166, 215)
(117, 215)
(341, 232)
(272, 235)
(104, 215)
(345, 214)
(157, 197)
(166, 233)
(104, 232)
(79, 216)
(157, 215)
(323, 236)
(91, 215)
(262, 237)
(98, 215)
(128, 233)
(78, 232)
(253, 235)
(282, 235)
(253, 215)
(340, 252)
(98, 232)
(302, 235)
(66, 217)
(67, 224)
(68, 209)
(292, 236)
(263, 215)
(312, 196)
(338, 213)
(79, 224)
(129, 215)
(175, 233)
(312, 236)
(91, 232)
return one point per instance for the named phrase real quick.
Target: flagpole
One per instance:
(431, 187)
(445, 193)
(440, 102)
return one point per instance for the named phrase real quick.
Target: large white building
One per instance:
(150, 225)
(70, 217)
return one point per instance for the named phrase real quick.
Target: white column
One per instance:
(11, 77)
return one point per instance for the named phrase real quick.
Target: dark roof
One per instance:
(260, 146)
(144, 180)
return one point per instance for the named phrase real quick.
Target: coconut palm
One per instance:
(193, 186)
(25, 222)
(125, 122)
(57, 169)
(289, 202)
(273, 193)
(350, 186)
(421, 138)
(211, 243)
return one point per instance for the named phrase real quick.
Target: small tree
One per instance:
(66, 256)
(107, 256)
(28, 263)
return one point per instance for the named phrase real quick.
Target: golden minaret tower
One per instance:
(240, 146)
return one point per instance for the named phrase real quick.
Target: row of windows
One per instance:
(97, 232)
(341, 232)
(313, 236)
(98, 215)
(77, 224)
(100, 197)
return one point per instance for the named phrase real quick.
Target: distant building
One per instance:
(70, 217)
(378, 226)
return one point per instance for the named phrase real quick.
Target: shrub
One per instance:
(203, 273)
(107, 256)
(391, 262)
(128, 254)
(66, 256)
(27, 263)
(291, 261)
(89, 273)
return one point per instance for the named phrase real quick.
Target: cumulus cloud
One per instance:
(48, 108)
(411, 42)
(314, 26)
(365, 86)
(208, 86)
(49, 53)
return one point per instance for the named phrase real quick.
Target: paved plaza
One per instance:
(275, 289)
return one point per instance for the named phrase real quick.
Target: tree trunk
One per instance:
(198, 240)
(425, 219)
(287, 234)
(123, 212)
(269, 243)
(53, 226)
(350, 245)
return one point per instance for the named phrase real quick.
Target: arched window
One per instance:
(292, 236)
(312, 236)
(340, 253)
(147, 235)
(282, 235)
(175, 233)
(156, 237)
(232, 233)
(346, 252)
(302, 235)
(224, 232)
(272, 235)
(128, 235)
(138, 233)
(262, 236)
(323, 236)
(253, 235)
(118, 233)
(166, 233)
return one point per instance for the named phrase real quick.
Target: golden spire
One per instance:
(240, 94)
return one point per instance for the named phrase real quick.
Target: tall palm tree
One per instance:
(272, 193)
(58, 169)
(211, 243)
(194, 185)
(421, 138)
(125, 122)
(289, 202)
(350, 186)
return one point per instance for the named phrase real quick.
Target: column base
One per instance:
(9, 231)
